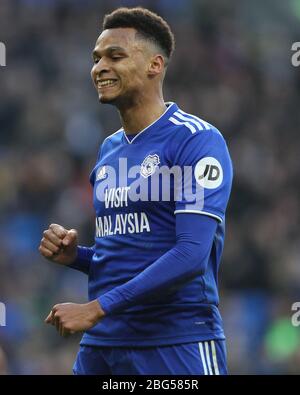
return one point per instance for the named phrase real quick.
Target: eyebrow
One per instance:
(110, 50)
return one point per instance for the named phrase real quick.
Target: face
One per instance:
(120, 71)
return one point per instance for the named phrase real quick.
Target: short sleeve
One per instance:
(207, 174)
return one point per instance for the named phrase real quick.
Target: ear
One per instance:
(156, 65)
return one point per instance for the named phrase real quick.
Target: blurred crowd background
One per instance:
(232, 67)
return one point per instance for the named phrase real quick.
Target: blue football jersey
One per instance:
(178, 164)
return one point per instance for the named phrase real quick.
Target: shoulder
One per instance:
(114, 137)
(112, 140)
(201, 145)
(192, 132)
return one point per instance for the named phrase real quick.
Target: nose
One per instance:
(101, 67)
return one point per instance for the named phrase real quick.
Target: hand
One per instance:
(69, 318)
(59, 244)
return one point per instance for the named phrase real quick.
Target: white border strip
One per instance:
(184, 118)
(214, 357)
(199, 212)
(208, 358)
(206, 124)
(187, 124)
(119, 130)
(202, 358)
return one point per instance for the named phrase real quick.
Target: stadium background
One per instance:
(232, 67)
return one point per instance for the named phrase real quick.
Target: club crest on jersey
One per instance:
(101, 173)
(149, 165)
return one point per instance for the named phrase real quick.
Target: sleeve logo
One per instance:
(101, 173)
(209, 173)
(149, 165)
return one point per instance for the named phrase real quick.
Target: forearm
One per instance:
(187, 259)
(83, 259)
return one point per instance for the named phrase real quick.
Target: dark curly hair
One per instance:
(148, 25)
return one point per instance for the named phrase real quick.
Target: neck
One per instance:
(141, 114)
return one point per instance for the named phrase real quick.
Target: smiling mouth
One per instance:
(106, 83)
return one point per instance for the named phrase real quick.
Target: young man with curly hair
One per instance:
(153, 269)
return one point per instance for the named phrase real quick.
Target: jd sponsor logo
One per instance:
(209, 173)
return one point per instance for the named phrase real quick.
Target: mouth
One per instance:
(105, 84)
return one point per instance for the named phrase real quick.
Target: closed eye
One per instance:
(117, 57)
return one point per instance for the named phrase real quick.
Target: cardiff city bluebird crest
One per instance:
(149, 165)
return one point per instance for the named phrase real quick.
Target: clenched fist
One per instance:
(59, 244)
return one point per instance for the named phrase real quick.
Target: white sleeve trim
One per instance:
(199, 212)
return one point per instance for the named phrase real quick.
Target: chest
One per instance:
(132, 177)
